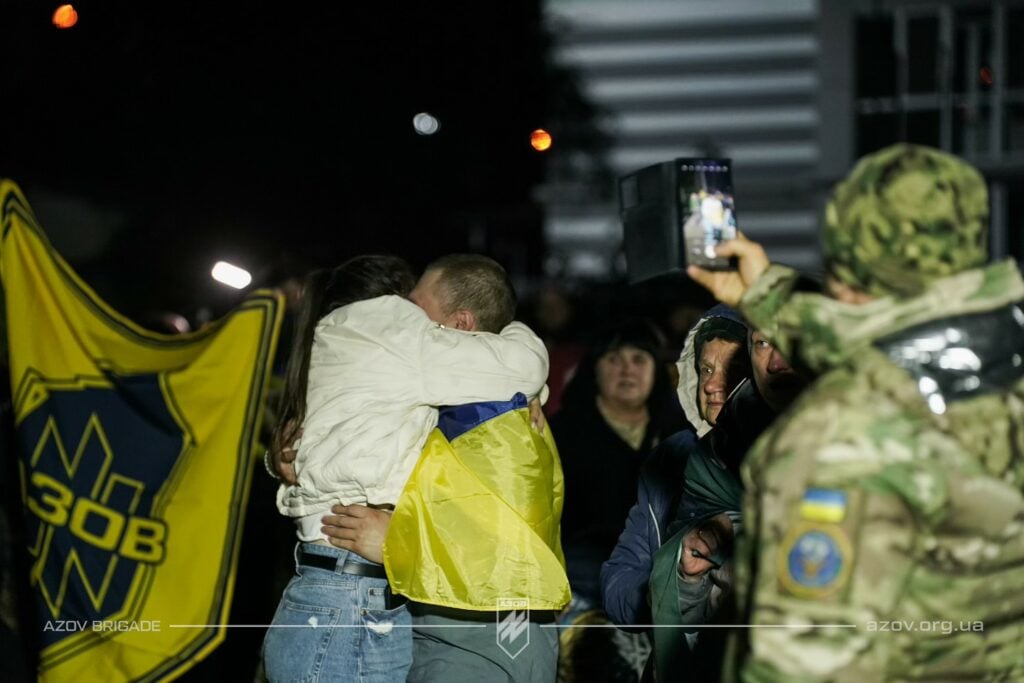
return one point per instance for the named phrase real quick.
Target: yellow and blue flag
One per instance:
(134, 455)
(823, 505)
(479, 519)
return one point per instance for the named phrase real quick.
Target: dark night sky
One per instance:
(249, 131)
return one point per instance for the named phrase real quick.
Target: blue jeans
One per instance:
(331, 626)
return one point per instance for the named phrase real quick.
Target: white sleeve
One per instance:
(464, 367)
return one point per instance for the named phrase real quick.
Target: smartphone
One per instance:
(707, 210)
(674, 214)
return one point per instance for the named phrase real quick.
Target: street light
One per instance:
(231, 275)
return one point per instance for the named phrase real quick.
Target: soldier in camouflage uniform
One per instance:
(885, 509)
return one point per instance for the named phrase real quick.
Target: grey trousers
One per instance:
(462, 646)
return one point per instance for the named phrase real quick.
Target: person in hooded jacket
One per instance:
(672, 564)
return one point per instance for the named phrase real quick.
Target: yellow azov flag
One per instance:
(479, 519)
(134, 454)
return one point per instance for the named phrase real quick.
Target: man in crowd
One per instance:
(775, 379)
(884, 511)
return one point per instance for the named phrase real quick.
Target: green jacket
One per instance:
(888, 501)
(679, 608)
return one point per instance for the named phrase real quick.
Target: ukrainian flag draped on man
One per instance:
(134, 461)
(479, 519)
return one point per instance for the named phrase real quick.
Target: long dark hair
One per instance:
(359, 278)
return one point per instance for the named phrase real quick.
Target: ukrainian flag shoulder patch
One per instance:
(823, 505)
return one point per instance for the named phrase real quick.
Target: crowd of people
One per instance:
(821, 462)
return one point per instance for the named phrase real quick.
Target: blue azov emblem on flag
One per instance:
(97, 463)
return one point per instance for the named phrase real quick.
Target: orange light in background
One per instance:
(986, 75)
(65, 16)
(540, 140)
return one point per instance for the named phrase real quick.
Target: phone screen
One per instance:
(708, 210)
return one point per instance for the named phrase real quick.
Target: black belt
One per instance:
(330, 563)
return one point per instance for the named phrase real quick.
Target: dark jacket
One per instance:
(625, 575)
(601, 473)
(660, 507)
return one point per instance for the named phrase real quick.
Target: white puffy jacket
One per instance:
(377, 369)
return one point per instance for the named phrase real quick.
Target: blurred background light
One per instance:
(540, 140)
(425, 124)
(231, 275)
(65, 16)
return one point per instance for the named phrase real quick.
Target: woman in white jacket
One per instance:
(366, 371)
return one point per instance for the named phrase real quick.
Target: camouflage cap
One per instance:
(903, 217)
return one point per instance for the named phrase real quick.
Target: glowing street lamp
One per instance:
(425, 124)
(540, 140)
(231, 275)
(65, 16)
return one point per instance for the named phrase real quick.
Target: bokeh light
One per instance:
(231, 275)
(540, 140)
(65, 16)
(425, 124)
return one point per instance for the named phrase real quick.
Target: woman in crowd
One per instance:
(619, 405)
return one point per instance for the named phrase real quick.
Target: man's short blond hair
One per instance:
(478, 284)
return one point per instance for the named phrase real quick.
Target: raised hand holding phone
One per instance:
(729, 286)
(674, 214)
(709, 215)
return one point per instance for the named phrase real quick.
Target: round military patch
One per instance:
(814, 560)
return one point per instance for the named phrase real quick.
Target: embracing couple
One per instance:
(441, 518)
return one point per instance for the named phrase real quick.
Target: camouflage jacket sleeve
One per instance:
(819, 333)
(860, 517)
